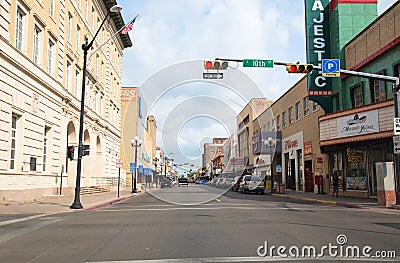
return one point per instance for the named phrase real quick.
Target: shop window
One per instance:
(336, 161)
(357, 96)
(356, 175)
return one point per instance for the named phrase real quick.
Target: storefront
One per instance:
(356, 140)
(292, 154)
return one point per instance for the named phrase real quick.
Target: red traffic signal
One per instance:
(70, 152)
(208, 64)
(299, 68)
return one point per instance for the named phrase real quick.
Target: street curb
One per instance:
(108, 203)
(321, 201)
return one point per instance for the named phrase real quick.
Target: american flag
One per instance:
(129, 26)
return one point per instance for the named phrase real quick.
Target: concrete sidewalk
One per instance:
(60, 203)
(346, 201)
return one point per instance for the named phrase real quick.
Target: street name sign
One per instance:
(331, 68)
(213, 76)
(396, 144)
(258, 63)
(396, 126)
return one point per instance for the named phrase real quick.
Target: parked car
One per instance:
(213, 181)
(183, 181)
(252, 184)
(227, 183)
(235, 183)
(165, 183)
(219, 182)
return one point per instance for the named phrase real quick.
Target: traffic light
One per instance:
(299, 68)
(70, 152)
(85, 149)
(208, 64)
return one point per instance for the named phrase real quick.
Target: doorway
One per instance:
(309, 182)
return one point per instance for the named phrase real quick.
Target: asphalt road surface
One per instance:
(198, 224)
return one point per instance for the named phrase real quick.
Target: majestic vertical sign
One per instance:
(318, 48)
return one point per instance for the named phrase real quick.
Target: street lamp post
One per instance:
(165, 166)
(86, 46)
(270, 143)
(136, 142)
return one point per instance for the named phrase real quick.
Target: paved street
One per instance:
(228, 228)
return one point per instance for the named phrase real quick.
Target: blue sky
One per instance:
(168, 32)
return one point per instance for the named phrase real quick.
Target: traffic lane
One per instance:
(194, 232)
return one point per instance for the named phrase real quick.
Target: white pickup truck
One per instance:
(251, 183)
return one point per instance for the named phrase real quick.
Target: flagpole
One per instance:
(122, 28)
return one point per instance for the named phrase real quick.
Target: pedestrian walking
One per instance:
(335, 184)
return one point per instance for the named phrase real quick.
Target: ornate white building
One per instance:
(41, 61)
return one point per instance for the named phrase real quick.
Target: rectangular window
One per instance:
(68, 76)
(19, 30)
(315, 106)
(290, 115)
(298, 111)
(284, 119)
(36, 44)
(306, 106)
(14, 125)
(78, 38)
(86, 9)
(76, 83)
(52, 8)
(273, 125)
(69, 27)
(379, 91)
(45, 140)
(278, 122)
(97, 64)
(50, 57)
(357, 96)
(93, 19)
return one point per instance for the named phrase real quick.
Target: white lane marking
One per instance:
(7, 222)
(19, 232)
(218, 200)
(215, 208)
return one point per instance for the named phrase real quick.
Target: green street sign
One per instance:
(258, 63)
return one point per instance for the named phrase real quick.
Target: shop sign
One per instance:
(318, 48)
(261, 160)
(358, 124)
(355, 156)
(289, 144)
(128, 94)
(307, 148)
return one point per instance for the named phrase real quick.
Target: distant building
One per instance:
(245, 129)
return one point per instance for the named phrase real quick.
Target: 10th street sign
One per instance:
(258, 63)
